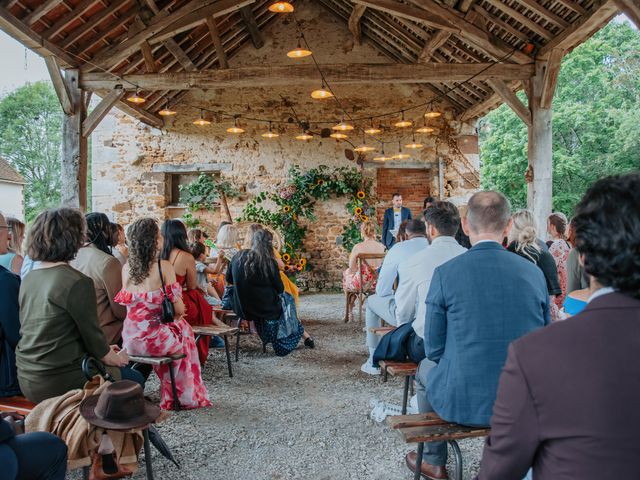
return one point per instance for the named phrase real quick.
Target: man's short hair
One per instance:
(395, 194)
(444, 216)
(488, 212)
(416, 227)
(56, 235)
(607, 231)
(428, 200)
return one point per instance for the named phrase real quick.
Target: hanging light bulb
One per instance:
(413, 145)
(202, 121)
(400, 155)
(432, 112)
(299, 52)
(425, 128)
(343, 126)
(364, 147)
(403, 123)
(236, 128)
(305, 135)
(372, 130)
(281, 7)
(322, 93)
(136, 98)
(270, 133)
(382, 157)
(166, 111)
(338, 136)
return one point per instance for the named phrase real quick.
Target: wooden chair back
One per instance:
(362, 260)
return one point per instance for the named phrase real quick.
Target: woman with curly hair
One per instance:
(146, 280)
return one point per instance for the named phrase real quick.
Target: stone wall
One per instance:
(133, 164)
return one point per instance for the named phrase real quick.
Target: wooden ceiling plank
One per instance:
(252, 27)
(68, 17)
(106, 31)
(354, 23)
(465, 5)
(59, 85)
(538, 9)
(631, 9)
(522, 19)
(217, 42)
(101, 110)
(571, 4)
(94, 22)
(501, 23)
(511, 99)
(434, 43)
(602, 11)
(40, 11)
(409, 12)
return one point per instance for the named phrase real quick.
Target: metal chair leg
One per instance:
(174, 390)
(405, 394)
(417, 475)
(457, 454)
(237, 344)
(147, 454)
(226, 350)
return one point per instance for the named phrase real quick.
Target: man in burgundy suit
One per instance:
(568, 402)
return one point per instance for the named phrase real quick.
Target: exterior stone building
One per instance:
(136, 169)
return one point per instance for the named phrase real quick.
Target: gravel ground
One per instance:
(304, 416)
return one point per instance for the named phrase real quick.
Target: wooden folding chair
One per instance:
(366, 288)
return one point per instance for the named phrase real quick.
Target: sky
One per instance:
(21, 65)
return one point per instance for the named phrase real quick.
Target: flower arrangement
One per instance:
(296, 201)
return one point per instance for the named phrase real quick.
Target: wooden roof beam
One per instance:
(39, 11)
(354, 22)
(252, 27)
(69, 17)
(522, 19)
(307, 74)
(217, 42)
(94, 22)
(435, 42)
(631, 9)
(101, 110)
(510, 98)
(487, 104)
(602, 11)
(547, 15)
(402, 10)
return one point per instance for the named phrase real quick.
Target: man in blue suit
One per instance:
(478, 303)
(393, 217)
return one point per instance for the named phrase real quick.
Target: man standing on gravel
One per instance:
(478, 303)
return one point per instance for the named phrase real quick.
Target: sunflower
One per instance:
(286, 257)
(294, 216)
(320, 181)
(358, 211)
(361, 195)
(286, 209)
(302, 262)
(364, 218)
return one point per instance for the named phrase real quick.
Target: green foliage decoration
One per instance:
(204, 192)
(295, 202)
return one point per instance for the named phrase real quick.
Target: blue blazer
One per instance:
(478, 303)
(387, 224)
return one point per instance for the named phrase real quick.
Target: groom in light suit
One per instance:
(393, 217)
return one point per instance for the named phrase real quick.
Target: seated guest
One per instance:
(119, 248)
(196, 235)
(30, 456)
(58, 314)
(575, 302)
(227, 241)
(94, 259)
(255, 277)
(144, 333)
(382, 305)
(576, 278)
(559, 249)
(369, 244)
(11, 255)
(477, 304)
(401, 236)
(523, 240)
(415, 273)
(198, 250)
(567, 403)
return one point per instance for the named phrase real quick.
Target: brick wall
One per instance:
(414, 184)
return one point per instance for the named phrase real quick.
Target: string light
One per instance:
(304, 136)
(403, 123)
(136, 98)
(400, 155)
(413, 145)
(382, 157)
(236, 128)
(299, 52)
(343, 126)
(364, 147)
(372, 130)
(322, 93)
(425, 128)
(166, 111)
(338, 136)
(201, 122)
(281, 7)
(270, 133)
(432, 112)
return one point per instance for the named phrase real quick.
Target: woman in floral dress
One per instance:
(350, 277)
(143, 332)
(559, 249)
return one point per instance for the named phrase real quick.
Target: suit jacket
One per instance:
(393, 345)
(387, 225)
(568, 399)
(9, 332)
(478, 303)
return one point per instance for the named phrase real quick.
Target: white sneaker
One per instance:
(367, 367)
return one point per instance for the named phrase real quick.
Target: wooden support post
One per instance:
(540, 171)
(73, 169)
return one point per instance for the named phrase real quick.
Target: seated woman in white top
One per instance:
(351, 277)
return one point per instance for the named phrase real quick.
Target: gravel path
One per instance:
(304, 416)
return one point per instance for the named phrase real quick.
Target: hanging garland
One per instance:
(296, 200)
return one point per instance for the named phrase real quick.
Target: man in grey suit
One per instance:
(478, 303)
(567, 404)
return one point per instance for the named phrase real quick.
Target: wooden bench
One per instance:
(230, 318)
(157, 361)
(400, 369)
(381, 331)
(214, 331)
(17, 404)
(429, 427)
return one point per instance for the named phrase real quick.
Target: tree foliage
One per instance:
(30, 137)
(596, 122)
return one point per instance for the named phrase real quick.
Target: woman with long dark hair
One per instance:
(94, 259)
(146, 281)
(257, 289)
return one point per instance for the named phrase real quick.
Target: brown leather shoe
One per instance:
(432, 472)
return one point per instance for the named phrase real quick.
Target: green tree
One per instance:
(30, 136)
(596, 122)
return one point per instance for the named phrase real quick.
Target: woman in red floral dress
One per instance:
(143, 332)
(559, 248)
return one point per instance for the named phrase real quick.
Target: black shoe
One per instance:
(308, 342)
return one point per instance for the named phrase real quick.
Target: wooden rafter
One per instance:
(94, 23)
(217, 42)
(549, 16)
(521, 18)
(101, 110)
(484, 106)
(435, 42)
(68, 17)
(59, 85)
(149, 61)
(354, 22)
(39, 11)
(510, 98)
(252, 27)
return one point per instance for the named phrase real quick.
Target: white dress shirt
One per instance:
(415, 278)
(397, 254)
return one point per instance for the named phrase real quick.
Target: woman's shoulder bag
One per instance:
(167, 307)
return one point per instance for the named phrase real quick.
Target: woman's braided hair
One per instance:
(142, 238)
